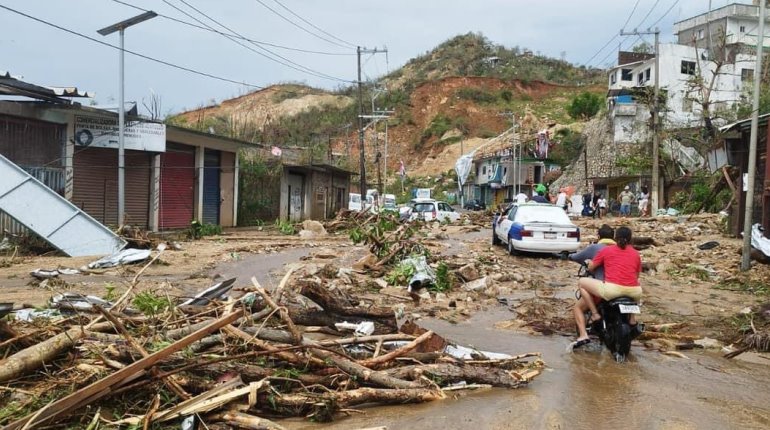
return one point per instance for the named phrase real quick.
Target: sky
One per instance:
(573, 29)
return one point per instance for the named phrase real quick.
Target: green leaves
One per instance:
(585, 106)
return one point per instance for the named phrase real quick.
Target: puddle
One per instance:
(585, 390)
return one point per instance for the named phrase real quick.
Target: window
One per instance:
(647, 74)
(688, 67)
(686, 104)
(701, 34)
(613, 77)
(505, 171)
(743, 29)
(747, 75)
(640, 79)
(483, 170)
(626, 75)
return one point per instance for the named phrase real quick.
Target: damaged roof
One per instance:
(13, 86)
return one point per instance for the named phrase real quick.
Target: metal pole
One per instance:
(655, 195)
(747, 218)
(121, 141)
(386, 156)
(361, 151)
(462, 184)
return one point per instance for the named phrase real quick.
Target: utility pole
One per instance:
(515, 187)
(760, 44)
(361, 149)
(655, 192)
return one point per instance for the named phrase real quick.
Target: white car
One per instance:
(536, 227)
(433, 210)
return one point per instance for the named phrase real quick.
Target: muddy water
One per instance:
(586, 390)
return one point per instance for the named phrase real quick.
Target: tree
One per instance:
(585, 106)
(643, 48)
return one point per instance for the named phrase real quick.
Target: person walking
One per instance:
(644, 201)
(601, 205)
(625, 198)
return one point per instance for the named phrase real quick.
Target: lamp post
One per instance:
(120, 27)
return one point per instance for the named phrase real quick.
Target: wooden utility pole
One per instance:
(746, 251)
(655, 192)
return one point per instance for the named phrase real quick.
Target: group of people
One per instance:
(596, 205)
(615, 266)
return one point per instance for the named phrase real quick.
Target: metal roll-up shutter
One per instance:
(211, 190)
(96, 185)
(177, 186)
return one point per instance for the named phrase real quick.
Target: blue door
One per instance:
(211, 190)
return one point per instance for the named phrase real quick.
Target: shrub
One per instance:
(585, 106)
(476, 95)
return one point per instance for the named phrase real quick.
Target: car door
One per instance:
(448, 212)
(442, 213)
(504, 224)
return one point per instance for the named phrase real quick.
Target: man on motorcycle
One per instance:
(622, 265)
(606, 233)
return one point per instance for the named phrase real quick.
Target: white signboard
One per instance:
(102, 132)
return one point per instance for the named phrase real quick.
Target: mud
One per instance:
(585, 390)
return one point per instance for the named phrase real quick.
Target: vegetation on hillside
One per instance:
(585, 106)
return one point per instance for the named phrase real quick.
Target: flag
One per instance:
(276, 151)
(402, 170)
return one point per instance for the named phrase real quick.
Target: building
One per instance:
(631, 87)
(734, 151)
(736, 22)
(172, 175)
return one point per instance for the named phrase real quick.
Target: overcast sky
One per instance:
(43, 55)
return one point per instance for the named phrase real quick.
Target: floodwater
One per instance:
(585, 390)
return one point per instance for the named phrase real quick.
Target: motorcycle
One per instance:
(613, 330)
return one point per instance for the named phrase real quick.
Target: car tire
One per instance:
(511, 249)
(495, 240)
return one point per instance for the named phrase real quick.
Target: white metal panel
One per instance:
(51, 216)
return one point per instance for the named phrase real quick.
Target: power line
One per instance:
(631, 14)
(612, 39)
(666, 13)
(146, 57)
(213, 30)
(299, 26)
(352, 45)
(288, 63)
(648, 14)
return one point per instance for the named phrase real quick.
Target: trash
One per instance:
(47, 274)
(78, 302)
(30, 314)
(708, 245)
(5, 309)
(364, 328)
(708, 343)
(126, 256)
(423, 277)
(216, 291)
(465, 353)
(759, 241)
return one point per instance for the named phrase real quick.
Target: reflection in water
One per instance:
(586, 390)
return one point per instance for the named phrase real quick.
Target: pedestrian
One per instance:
(595, 203)
(644, 201)
(602, 206)
(625, 198)
(561, 199)
(588, 207)
(521, 198)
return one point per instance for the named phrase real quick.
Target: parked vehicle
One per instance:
(389, 202)
(430, 210)
(535, 227)
(475, 205)
(614, 330)
(354, 202)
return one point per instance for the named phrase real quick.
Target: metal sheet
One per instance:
(51, 216)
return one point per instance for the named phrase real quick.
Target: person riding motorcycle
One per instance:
(606, 234)
(622, 265)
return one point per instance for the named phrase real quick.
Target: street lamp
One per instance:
(120, 27)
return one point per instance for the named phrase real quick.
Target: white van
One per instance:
(389, 202)
(354, 202)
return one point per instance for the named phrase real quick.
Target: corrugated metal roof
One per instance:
(496, 144)
(11, 85)
(744, 123)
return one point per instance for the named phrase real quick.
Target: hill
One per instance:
(448, 97)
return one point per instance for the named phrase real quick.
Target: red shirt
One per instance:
(621, 266)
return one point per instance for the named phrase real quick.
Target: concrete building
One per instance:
(631, 86)
(736, 22)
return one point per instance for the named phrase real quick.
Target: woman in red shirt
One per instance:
(622, 265)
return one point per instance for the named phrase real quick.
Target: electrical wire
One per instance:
(648, 14)
(631, 14)
(352, 45)
(299, 26)
(612, 39)
(288, 63)
(134, 53)
(212, 30)
(666, 13)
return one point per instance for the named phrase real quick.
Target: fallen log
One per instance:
(250, 422)
(344, 305)
(29, 359)
(376, 361)
(451, 373)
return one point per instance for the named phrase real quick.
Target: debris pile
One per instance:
(306, 348)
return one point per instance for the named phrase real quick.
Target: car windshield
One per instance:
(545, 214)
(355, 199)
(389, 203)
(423, 207)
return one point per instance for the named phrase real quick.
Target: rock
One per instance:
(307, 234)
(469, 272)
(708, 343)
(381, 282)
(314, 226)
(365, 262)
(476, 285)
(518, 277)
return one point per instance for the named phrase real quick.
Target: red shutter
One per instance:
(177, 186)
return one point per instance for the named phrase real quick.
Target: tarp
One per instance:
(463, 168)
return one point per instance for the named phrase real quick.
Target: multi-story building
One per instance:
(736, 22)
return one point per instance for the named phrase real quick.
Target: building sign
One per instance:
(102, 132)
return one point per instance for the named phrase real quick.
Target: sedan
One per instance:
(475, 205)
(536, 227)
